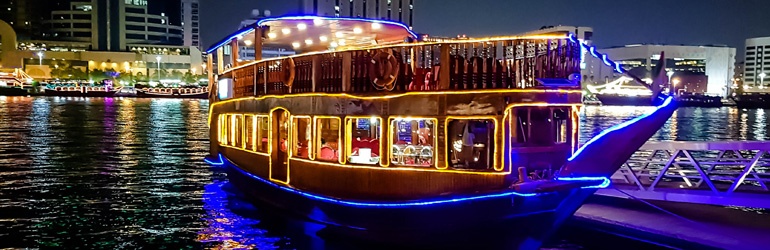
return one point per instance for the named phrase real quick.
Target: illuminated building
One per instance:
(692, 66)
(191, 23)
(757, 61)
(395, 10)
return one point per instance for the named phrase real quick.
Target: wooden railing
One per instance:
(494, 64)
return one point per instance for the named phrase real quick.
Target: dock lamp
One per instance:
(762, 80)
(40, 55)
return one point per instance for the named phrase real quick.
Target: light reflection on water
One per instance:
(128, 173)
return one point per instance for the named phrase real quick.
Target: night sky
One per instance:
(615, 22)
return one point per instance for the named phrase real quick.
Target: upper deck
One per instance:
(376, 57)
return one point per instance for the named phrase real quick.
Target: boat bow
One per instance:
(606, 152)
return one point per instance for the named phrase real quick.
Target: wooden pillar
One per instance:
(316, 72)
(443, 79)
(347, 68)
(257, 43)
(220, 59)
(234, 52)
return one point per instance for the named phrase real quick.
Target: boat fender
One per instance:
(287, 71)
(383, 70)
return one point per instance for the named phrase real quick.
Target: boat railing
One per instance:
(483, 64)
(711, 172)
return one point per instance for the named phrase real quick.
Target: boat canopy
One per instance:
(313, 33)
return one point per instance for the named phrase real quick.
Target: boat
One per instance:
(752, 100)
(376, 134)
(12, 82)
(683, 100)
(197, 93)
(82, 91)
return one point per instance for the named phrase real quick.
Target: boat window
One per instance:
(540, 126)
(263, 125)
(471, 143)
(327, 139)
(250, 129)
(413, 142)
(301, 137)
(223, 129)
(364, 135)
(237, 131)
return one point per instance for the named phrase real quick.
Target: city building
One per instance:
(401, 11)
(697, 69)
(191, 23)
(757, 65)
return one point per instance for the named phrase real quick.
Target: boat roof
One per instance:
(315, 33)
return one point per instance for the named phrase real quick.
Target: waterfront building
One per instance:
(757, 65)
(696, 69)
(401, 11)
(191, 23)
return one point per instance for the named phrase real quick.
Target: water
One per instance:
(128, 173)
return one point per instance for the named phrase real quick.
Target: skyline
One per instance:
(714, 22)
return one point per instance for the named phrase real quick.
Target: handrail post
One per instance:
(443, 79)
(347, 66)
(316, 72)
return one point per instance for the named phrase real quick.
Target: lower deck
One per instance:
(377, 149)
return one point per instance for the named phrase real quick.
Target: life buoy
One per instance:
(287, 71)
(383, 71)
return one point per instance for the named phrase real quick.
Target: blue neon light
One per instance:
(310, 18)
(592, 49)
(619, 126)
(220, 163)
(605, 181)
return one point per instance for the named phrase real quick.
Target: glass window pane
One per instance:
(471, 144)
(413, 142)
(365, 140)
(263, 125)
(301, 137)
(238, 133)
(327, 134)
(249, 128)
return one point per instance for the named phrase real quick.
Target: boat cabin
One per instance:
(364, 109)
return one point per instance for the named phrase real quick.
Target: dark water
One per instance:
(128, 173)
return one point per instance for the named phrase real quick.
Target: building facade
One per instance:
(756, 75)
(191, 23)
(401, 11)
(697, 69)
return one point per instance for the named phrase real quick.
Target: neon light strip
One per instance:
(375, 204)
(220, 163)
(414, 204)
(618, 127)
(592, 49)
(309, 18)
(605, 181)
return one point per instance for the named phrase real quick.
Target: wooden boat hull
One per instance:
(418, 220)
(202, 95)
(52, 92)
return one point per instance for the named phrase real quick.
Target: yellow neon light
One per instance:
(317, 150)
(575, 125)
(232, 130)
(412, 169)
(349, 134)
(270, 146)
(384, 97)
(480, 117)
(392, 122)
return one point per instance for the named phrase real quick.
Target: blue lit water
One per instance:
(113, 173)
